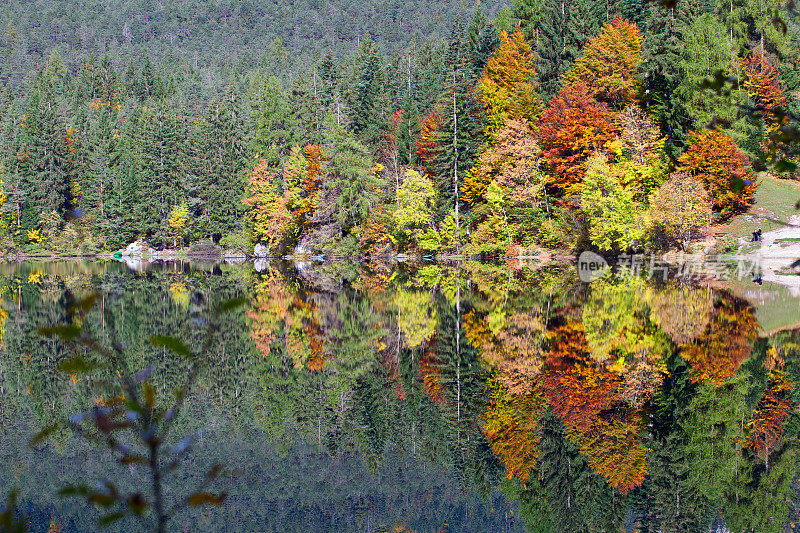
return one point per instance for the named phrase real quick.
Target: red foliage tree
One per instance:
(574, 127)
(587, 397)
(427, 145)
(726, 173)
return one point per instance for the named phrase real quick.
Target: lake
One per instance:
(461, 397)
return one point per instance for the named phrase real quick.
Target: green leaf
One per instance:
(74, 490)
(205, 498)
(230, 305)
(172, 344)
(149, 395)
(64, 332)
(110, 518)
(77, 365)
(43, 434)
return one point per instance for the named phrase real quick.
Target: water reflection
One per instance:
(471, 397)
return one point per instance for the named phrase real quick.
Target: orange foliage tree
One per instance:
(507, 84)
(723, 169)
(587, 397)
(515, 351)
(272, 222)
(609, 62)
(760, 80)
(375, 238)
(724, 345)
(511, 425)
(513, 159)
(766, 423)
(573, 128)
(427, 144)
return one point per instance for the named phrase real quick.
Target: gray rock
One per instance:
(260, 251)
(135, 249)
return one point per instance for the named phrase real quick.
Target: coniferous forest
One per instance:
(374, 128)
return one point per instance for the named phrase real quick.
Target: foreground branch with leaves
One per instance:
(135, 425)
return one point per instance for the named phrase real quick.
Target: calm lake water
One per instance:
(471, 397)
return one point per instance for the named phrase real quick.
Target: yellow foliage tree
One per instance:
(513, 160)
(178, 220)
(416, 316)
(609, 62)
(507, 86)
(680, 206)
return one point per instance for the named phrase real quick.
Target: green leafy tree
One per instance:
(615, 218)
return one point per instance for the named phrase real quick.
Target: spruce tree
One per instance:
(367, 103)
(45, 160)
(459, 137)
(551, 45)
(271, 120)
(218, 168)
(161, 183)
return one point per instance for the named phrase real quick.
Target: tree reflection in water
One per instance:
(470, 397)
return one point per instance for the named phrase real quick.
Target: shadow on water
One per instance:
(467, 397)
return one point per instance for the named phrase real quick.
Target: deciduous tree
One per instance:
(574, 127)
(722, 168)
(609, 62)
(507, 87)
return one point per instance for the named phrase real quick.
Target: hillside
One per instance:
(211, 32)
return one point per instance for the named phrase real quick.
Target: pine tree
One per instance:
(44, 156)
(482, 41)
(97, 187)
(218, 160)
(552, 45)
(661, 53)
(458, 139)
(352, 185)
(367, 109)
(162, 177)
(270, 120)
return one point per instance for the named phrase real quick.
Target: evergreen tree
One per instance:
(218, 168)
(45, 165)
(163, 171)
(352, 186)
(367, 106)
(661, 55)
(552, 45)
(271, 120)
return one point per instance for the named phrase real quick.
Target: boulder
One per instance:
(260, 251)
(135, 249)
(261, 265)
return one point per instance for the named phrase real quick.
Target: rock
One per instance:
(260, 251)
(301, 250)
(135, 249)
(261, 265)
(402, 257)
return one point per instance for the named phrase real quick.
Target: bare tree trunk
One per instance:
(455, 163)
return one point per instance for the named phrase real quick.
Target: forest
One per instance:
(474, 130)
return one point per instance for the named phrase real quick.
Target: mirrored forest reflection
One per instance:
(469, 397)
